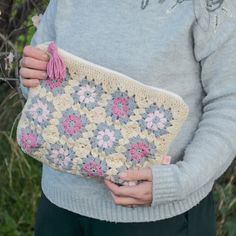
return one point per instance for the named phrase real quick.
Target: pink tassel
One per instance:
(56, 68)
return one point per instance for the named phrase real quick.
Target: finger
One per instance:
(140, 174)
(129, 183)
(119, 190)
(36, 53)
(125, 201)
(31, 73)
(32, 63)
(30, 83)
(140, 191)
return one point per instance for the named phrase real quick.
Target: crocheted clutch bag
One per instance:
(96, 122)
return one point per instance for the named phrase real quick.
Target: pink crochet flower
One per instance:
(156, 120)
(87, 94)
(106, 138)
(39, 111)
(93, 169)
(61, 157)
(120, 106)
(29, 141)
(139, 151)
(72, 124)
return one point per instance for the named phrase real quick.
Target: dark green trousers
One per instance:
(54, 221)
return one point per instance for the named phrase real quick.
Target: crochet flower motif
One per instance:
(93, 167)
(40, 111)
(156, 120)
(29, 140)
(121, 106)
(72, 124)
(105, 138)
(139, 150)
(56, 86)
(87, 93)
(61, 155)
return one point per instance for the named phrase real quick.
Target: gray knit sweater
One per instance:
(188, 48)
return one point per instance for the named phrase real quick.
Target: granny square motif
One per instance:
(98, 122)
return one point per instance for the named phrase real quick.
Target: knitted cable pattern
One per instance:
(98, 122)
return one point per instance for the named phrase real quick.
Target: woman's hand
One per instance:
(133, 196)
(33, 66)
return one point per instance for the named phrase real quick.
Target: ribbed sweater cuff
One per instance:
(165, 185)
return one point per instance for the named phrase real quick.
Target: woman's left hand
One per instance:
(133, 196)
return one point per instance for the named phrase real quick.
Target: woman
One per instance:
(186, 47)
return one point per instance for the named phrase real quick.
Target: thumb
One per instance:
(140, 174)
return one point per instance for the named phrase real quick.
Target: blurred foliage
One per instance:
(19, 174)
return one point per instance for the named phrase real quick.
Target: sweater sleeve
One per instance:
(45, 32)
(212, 148)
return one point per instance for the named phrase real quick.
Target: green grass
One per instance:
(225, 198)
(19, 175)
(20, 179)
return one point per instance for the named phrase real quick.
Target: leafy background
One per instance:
(20, 175)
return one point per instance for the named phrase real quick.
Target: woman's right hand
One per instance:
(33, 66)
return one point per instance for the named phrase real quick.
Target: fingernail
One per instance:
(123, 175)
(132, 183)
